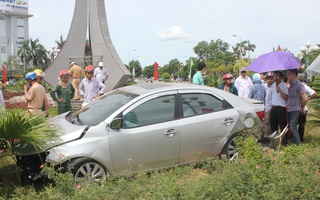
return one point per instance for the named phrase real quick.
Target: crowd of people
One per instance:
(284, 98)
(89, 88)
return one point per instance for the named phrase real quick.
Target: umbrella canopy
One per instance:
(274, 61)
(314, 68)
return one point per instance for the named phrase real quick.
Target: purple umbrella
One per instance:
(274, 61)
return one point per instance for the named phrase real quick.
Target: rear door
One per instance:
(206, 122)
(150, 136)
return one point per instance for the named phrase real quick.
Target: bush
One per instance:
(166, 77)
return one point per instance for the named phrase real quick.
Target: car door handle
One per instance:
(228, 121)
(170, 133)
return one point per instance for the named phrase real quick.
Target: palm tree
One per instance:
(38, 52)
(60, 42)
(20, 126)
(25, 53)
(249, 47)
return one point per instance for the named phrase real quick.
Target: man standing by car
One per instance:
(303, 116)
(75, 71)
(36, 95)
(267, 104)
(279, 97)
(243, 83)
(101, 73)
(296, 103)
(90, 88)
(198, 77)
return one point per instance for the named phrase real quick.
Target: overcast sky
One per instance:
(161, 30)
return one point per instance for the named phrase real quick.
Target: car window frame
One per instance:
(225, 104)
(145, 99)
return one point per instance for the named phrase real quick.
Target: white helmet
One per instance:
(100, 64)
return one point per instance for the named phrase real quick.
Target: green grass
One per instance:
(292, 173)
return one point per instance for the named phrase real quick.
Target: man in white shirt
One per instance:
(243, 83)
(101, 73)
(279, 97)
(90, 88)
(303, 116)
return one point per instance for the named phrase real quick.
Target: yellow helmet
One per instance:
(39, 73)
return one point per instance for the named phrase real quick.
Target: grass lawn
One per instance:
(258, 173)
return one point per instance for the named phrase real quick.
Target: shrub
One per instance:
(166, 77)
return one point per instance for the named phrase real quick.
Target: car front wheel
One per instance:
(85, 169)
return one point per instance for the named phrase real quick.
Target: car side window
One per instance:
(197, 104)
(154, 111)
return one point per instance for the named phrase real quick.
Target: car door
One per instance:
(150, 136)
(206, 122)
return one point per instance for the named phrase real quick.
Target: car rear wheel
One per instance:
(85, 169)
(230, 149)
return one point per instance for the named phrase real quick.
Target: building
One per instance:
(14, 26)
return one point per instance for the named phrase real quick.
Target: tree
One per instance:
(39, 53)
(214, 54)
(25, 53)
(60, 42)
(246, 46)
(19, 126)
(148, 71)
(137, 68)
(249, 48)
(32, 52)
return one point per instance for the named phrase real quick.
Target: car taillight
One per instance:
(261, 115)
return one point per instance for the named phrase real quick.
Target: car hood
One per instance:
(67, 131)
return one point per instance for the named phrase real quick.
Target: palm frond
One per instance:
(19, 125)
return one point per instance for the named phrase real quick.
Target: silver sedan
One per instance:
(150, 126)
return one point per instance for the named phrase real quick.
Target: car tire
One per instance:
(86, 169)
(230, 149)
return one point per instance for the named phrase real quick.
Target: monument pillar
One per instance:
(94, 13)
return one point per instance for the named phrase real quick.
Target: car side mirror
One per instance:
(116, 123)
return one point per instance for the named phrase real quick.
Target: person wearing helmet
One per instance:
(63, 92)
(36, 95)
(76, 72)
(90, 88)
(227, 85)
(257, 91)
(40, 74)
(101, 73)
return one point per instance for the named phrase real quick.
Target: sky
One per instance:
(162, 30)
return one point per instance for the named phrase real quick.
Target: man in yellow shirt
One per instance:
(35, 96)
(75, 71)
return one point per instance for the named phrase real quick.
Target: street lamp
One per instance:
(305, 51)
(129, 57)
(53, 52)
(133, 69)
(240, 54)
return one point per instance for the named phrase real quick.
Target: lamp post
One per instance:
(240, 54)
(305, 51)
(129, 57)
(53, 52)
(133, 69)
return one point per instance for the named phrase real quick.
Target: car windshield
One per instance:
(100, 109)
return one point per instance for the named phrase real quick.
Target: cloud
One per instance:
(173, 33)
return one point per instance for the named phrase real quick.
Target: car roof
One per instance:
(145, 88)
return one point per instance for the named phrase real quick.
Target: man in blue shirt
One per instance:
(198, 78)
